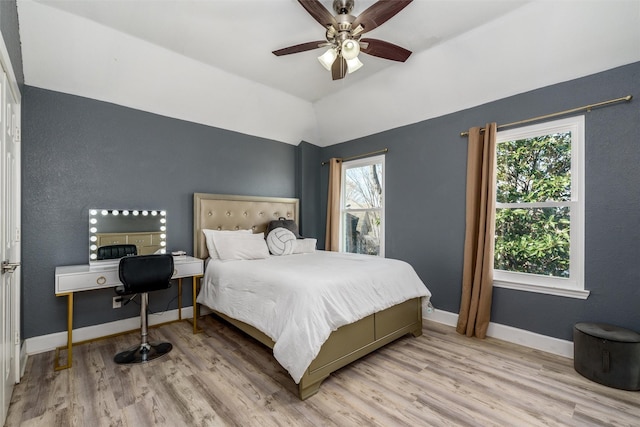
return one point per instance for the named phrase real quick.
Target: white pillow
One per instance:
(208, 238)
(240, 246)
(281, 241)
(303, 246)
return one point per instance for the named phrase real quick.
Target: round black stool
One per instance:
(607, 354)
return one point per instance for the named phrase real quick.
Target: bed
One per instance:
(351, 340)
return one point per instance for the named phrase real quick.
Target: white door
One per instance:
(10, 242)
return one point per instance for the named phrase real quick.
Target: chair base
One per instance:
(143, 353)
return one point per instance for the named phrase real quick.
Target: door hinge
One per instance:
(9, 267)
(17, 338)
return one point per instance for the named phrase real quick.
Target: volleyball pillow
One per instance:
(281, 241)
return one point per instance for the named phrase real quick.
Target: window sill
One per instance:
(561, 292)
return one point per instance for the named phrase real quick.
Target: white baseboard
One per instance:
(23, 360)
(510, 334)
(522, 337)
(50, 342)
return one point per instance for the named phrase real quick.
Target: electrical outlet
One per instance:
(117, 303)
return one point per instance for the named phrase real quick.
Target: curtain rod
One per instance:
(560, 113)
(384, 150)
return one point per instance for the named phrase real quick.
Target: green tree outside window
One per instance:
(531, 238)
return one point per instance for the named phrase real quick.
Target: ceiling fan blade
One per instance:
(379, 13)
(339, 68)
(319, 12)
(303, 47)
(383, 49)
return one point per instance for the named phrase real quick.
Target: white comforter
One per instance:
(298, 300)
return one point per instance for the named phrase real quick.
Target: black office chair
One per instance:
(139, 275)
(116, 251)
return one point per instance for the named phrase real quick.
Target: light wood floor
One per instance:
(221, 377)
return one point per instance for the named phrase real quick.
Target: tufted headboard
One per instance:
(227, 212)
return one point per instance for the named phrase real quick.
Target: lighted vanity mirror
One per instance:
(146, 229)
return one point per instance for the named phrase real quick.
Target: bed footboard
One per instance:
(353, 341)
(350, 342)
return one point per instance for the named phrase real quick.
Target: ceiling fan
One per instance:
(344, 32)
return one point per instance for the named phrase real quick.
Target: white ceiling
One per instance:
(210, 61)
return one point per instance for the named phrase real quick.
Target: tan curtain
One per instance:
(477, 273)
(332, 238)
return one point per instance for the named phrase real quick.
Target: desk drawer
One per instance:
(140, 239)
(112, 239)
(187, 269)
(86, 281)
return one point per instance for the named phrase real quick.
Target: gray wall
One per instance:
(425, 188)
(11, 36)
(79, 153)
(307, 188)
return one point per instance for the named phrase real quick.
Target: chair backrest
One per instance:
(144, 273)
(116, 251)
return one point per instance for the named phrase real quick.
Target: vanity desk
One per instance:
(79, 278)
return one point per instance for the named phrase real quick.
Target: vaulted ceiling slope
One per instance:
(210, 62)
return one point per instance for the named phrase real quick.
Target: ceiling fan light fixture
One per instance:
(353, 65)
(327, 58)
(343, 32)
(350, 49)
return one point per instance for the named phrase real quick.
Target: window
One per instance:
(362, 213)
(539, 238)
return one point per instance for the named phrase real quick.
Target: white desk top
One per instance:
(85, 277)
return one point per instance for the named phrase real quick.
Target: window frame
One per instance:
(574, 285)
(350, 164)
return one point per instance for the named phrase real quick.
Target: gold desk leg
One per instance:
(57, 366)
(196, 309)
(180, 298)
